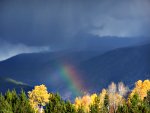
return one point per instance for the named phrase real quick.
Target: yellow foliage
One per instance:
(93, 96)
(102, 97)
(141, 88)
(115, 94)
(85, 102)
(38, 96)
(77, 102)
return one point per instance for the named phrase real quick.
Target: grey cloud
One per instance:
(53, 22)
(125, 19)
(8, 50)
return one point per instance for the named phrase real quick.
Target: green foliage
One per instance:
(12, 102)
(57, 105)
(81, 110)
(147, 99)
(106, 101)
(123, 109)
(24, 103)
(5, 107)
(94, 108)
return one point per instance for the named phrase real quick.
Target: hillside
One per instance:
(124, 64)
(51, 68)
(8, 83)
(61, 72)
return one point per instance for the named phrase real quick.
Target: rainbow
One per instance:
(69, 74)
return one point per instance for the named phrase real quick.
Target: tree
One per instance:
(5, 107)
(12, 98)
(147, 102)
(141, 88)
(38, 97)
(122, 89)
(95, 106)
(12, 102)
(147, 99)
(116, 95)
(102, 98)
(123, 108)
(23, 104)
(106, 103)
(57, 105)
(69, 107)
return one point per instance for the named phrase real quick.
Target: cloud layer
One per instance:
(8, 50)
(53, 22)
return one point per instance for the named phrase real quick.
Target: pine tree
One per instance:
(123, 108)
(69, 107)
(106, 104)
(147, 99)
(5, 107)
(23, 102)
(55, 105)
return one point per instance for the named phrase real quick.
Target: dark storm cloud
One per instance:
(53, 22)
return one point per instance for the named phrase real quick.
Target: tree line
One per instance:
(117, 98)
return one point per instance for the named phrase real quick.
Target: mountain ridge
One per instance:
(97, 71)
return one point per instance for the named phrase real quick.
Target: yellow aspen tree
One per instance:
(38, 97)
(141, 88)
(93, 97)
(102, 97)
(86, 101)
(78, 102)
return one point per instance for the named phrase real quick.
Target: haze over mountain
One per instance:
(82, 42)
(11, 84)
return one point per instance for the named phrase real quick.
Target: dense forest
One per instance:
(117, 98)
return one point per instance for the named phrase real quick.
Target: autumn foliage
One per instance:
(117, 98)
(141, 88)
(38, 97)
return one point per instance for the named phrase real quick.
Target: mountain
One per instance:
(94, 70)
(124, 64)
(50, 68)
(27, 67)
(8, 83)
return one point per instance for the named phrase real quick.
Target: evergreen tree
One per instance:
(106, 104)
(55, 105)
(5, 107)
(123, 109)
(69, 107)
(81, 110)
(23, 104)
(147, 99)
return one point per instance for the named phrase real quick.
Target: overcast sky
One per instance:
(41, 24)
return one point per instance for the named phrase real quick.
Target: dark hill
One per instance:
(125, 64)
(95, 70)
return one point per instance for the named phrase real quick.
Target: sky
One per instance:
(36, 25)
